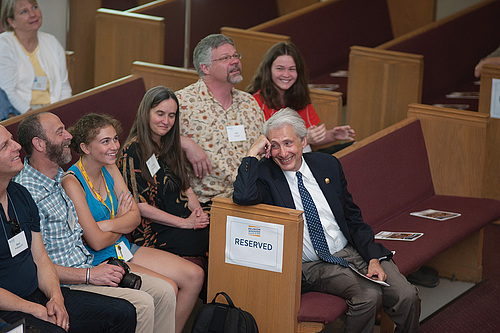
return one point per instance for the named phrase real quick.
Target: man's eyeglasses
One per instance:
(16, 228)
(229, 57)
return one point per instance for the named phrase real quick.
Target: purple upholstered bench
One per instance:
(389, 178)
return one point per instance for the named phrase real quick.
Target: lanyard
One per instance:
(97, 195)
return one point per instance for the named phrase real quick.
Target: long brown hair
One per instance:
(297, 96)
(169, 151)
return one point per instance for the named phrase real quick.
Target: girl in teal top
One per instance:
(106, 211)
(100, 211)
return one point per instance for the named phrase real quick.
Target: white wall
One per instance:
(55, 14)
(446, 8)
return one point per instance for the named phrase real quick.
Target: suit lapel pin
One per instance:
(327, 180)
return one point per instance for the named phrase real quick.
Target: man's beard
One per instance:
(236, 78)
(56, 153)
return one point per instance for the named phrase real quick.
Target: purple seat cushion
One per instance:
(320, 308)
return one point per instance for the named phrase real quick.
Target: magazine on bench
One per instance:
(398, 235)
(434, 214)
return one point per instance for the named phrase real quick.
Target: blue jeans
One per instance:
(5, 107)
(88, 312)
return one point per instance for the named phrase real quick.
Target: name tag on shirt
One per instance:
(153, 165)
(18, 244)
(40, 83)
(236, 133)
(122, 251)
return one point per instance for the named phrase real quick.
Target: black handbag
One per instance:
(224, 318)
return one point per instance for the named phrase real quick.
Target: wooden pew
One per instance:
(328, 104)
(419, 67)
(133, 27)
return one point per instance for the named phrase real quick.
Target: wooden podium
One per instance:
(272, 298)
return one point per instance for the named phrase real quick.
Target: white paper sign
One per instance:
(495, 99)
(254, 244)
(236, 133)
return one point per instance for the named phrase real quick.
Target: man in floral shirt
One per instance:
(220, 119)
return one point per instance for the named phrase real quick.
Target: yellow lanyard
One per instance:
(98, 196)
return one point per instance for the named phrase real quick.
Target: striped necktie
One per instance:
(315, 228)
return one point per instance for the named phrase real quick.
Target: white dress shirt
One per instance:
(334, 237)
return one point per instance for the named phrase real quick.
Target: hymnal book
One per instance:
(438, 215)
(324, 86)
(464, 94)
(402, 236)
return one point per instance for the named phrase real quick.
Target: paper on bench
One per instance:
(402, 236)
(383, 283)
(438, 215)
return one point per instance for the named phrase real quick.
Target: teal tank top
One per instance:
(100, 212)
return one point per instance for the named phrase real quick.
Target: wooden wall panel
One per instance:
(81, 40)
(407, 15)
(116, 31)
(374, 102)
(456, 146)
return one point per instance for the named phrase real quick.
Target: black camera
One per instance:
(129, 280)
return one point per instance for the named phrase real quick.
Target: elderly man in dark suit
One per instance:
(336, 240)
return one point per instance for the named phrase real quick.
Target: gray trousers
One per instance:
(365, 298)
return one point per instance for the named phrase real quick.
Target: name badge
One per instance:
(18, 244)
(40, 83)
(153, 165)
(236, 133)
(122, 251)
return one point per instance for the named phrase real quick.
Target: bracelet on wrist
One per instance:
(87, 276)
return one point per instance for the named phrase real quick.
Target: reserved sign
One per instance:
(254, 244)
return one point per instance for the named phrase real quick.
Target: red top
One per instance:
(308, 113)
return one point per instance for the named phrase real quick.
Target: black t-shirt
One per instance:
(18, 274)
